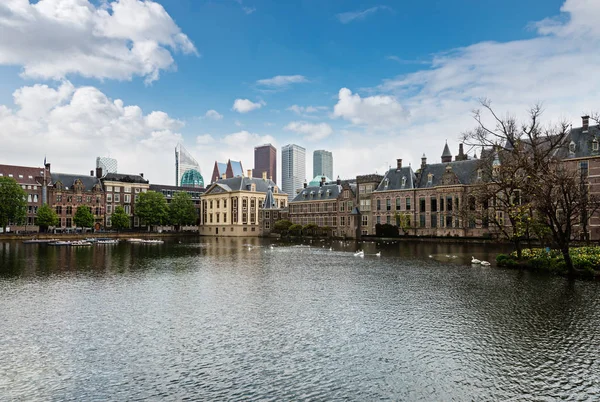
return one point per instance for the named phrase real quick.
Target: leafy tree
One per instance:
(282, 226)
(13, 202)
(403, 221)
(151, 208)
(119, 219)
(84, 217)
(310, 229)
(46, 216)
(296, 229)
(182, 210)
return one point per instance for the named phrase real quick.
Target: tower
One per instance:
(265, 160)
(322, 163)
(187, 169)
(293, 169)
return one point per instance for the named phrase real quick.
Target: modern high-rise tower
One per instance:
(187, 169)
(322, 163)
(293, 169)
(265, 160)
(108, 165)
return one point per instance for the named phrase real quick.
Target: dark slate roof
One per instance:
(269, 202)
(125, 178)
(243, 183)
(579, 144)
(446, 151)
(68, 180)
(329, 191)
(393, 179)
(465, 171)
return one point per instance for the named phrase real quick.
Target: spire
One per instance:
(269, 199)
(446, 155)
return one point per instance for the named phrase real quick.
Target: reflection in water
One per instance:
(228, 318)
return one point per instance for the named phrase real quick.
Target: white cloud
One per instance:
(379, 111)
(249, 10)
(115, 39)
(246, 105)
(311, 132)
(350, 16)
(280, 81)
(205, 139)
(213, 114)
(72, 125)
(305, 110)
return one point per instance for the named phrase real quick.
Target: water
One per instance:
(214, 319)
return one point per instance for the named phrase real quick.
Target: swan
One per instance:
(475, 260)
(359, 254)
(485, 263)
(378, 254)
(330, 249)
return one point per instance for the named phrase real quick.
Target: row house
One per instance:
(230, 207)
(122, 190)
(68, 192)
(330, 205)
(33, 180)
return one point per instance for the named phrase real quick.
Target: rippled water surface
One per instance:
(214, 319)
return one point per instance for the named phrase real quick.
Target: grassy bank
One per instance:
(586, 261)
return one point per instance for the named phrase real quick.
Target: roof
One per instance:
(68, 180)
(317, 180)
(579, 144)
(269, 202)
(446, 151)
(236, 167)
(221, 168)
(23, 174)
(125, 178)
(398, 179)
(463, 172)
(329, 191)
(241, 183)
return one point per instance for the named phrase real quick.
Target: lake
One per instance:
(247, 319)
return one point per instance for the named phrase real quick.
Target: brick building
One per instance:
(122, 190)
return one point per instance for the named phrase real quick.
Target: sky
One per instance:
(370, 81)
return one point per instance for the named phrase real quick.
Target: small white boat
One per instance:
(150, 241)
(133, 240)
(108, 241)
(79, 243)
(475, 260)
(60, 243)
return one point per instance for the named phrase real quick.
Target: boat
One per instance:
(133, 240)
(153, 241)
(78, 243)
(107, 241)
(60, 243)
(39, 241)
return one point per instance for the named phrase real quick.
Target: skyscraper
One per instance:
(322, 163)
(187, 169)
(293, 169)
(108, 165)
(265, 160)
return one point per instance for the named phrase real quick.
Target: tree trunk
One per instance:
(567, 256)
(519, 248)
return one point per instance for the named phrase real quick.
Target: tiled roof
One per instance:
(464, 171)
(68, 180)
(579, 144)
(23, 174)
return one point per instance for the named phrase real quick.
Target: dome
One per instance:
(192, 178)
(318, 179)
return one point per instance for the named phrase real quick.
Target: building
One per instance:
(322, 163)
(270, 213)
(226, 170)
(169, 191)
(265, 160)
(293, 169)
(68, 192)
(230, 207)
(108, 165)
(366, 184)
(123, 190)
(187, 169)
(33, 180)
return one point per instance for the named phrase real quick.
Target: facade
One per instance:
(169, 191)
(322, 163)
(226, 170)
(71, 191)
(366, 184)
(265, 160)
(108, 165)
(230, 207)
(123, 190)
(33, 180)
(187, 169)
(270, 213)
(293, 169)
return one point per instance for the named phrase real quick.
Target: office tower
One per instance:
(265, 160)
(108, 165)
(293, 169)
(187, 169)
(322, 163)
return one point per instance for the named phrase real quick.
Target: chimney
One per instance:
(249, 172)
(224, 176)
(399, 163)
(98, 172)
(305, 184)
(92, 173)
(321, 183)
(323, 178)
(47, 166)
(585, 123)
(141, 174)
(423, 162)
(264, 175)
(338, 181)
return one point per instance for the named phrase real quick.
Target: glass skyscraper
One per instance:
(108, 165)
(187, 169)
(293, 169)
(322, 163)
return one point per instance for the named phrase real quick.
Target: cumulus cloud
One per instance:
(380, 111)
(350, 16)
(310, 131)
(213, 115)
(72, 125)
(118, 39)
(306, 110)
(204, 139)
(282, 81)
(246, 105)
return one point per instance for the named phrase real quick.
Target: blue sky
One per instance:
(371, 81)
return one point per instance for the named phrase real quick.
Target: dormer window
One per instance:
(253, 187)
(595, 144)
(403, 181)
(572, 147)
(386, 182)
(429, 179)
(479, 173)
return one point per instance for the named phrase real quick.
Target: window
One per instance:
(342, 221)
(108, 188)
(108, 197)
(217, 214)
(449, 204)
(267, 224)
(398, 204)
(407, 203)
(245, 217)
(595, 144)
(69, 210)
(429, 179)
(378, 219)
(127, 209)
(224, 203)
(583, 169)
(117, 189)
(388, 204)
(79, 199)
(422, 220)
(127, 198)
(433, 220)
(109, 208)
(127, 190)
(365, 220)
(211, 204)
(388, 219)
(59, 209)
(433, 202)
(69, 198)
(342, 205)
(225, 217)
(88, 199)
(422, 205)
(379, 205)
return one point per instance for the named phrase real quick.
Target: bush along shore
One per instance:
(586, 261)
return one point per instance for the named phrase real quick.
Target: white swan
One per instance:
(378, 254)
(359, 254)
(475, 260)
(485, 263)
